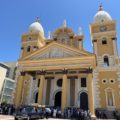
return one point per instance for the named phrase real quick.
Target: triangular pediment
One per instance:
(56, 50)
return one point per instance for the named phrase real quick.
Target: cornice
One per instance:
(72, 49)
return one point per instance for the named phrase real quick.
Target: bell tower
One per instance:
(103, 34)
(33, 39)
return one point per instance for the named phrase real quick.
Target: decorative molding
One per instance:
(65, 71)
(22, 73)
(50, 77)
(72, 77)
(40, 72)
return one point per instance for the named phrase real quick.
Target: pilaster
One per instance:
(90, 93)
(41, 87)
(64, 90)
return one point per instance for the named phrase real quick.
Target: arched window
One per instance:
(104, 41)
(106, 61)
(28, 49)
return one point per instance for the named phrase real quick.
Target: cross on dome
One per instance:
(100, 7)
(36, 27)
(38, 19)
(102, 16)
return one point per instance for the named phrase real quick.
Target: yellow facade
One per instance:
(85, 76)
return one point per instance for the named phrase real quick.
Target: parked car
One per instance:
(27, 113)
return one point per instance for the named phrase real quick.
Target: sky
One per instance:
(17, 15)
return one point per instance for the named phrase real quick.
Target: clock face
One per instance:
(103, 28)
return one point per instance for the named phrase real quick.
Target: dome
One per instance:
(36, 27)
(102, 16)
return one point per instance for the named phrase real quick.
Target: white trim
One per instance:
(30, 91)
(51, 92)
(102, 37)
(78, 97)
(104, 82)
(77, 83)
(106, 90)
(115, 49)
(112, 82)
(54, 93)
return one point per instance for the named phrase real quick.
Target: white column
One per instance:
(76, 91)
(30, 96)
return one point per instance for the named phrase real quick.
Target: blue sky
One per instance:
(17, 15)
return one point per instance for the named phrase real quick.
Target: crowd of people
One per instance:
(103, 114)
(7, 109)
(69, 113)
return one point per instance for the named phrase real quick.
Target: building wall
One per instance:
(7, 81)
(12, 71)
(8, 89)
(2, 78)
(108, 76)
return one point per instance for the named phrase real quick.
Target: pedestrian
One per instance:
(54, 113)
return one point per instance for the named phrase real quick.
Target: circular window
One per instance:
(112, 81)
(104, 81)
(59, 82)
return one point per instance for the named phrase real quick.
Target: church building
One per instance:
(58, 71)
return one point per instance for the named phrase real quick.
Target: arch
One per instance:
(35, 95)
(55, 93)
(59, 82)
(106, 60)
(28, 48)
(57, 101)
(81, 92)
(104, 40)
(83, 100)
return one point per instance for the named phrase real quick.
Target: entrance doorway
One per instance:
(36, 97)
(84, 101)
(58, 99)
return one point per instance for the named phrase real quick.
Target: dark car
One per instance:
(27, 113)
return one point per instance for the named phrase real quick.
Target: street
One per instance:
(7, 117)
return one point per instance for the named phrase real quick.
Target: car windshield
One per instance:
(28, 110)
